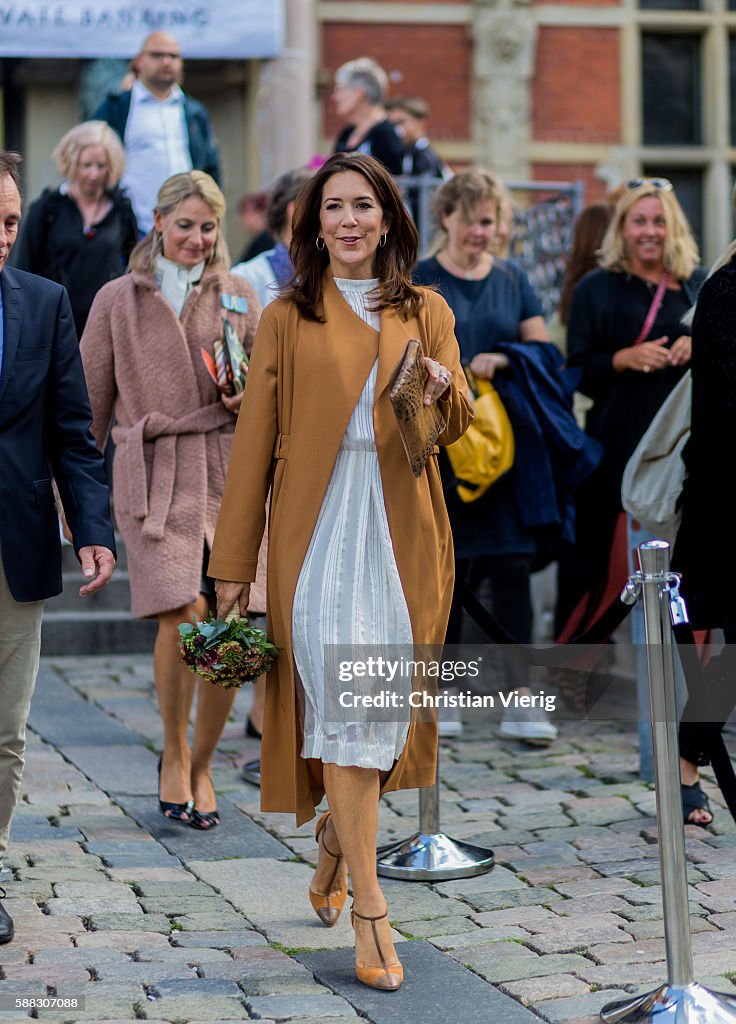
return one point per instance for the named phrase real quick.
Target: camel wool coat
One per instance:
(304, 382)
(172, 433)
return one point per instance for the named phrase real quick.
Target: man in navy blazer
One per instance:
(44, 433)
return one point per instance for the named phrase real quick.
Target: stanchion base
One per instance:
(251, 772)
(433, 858)
(690, 1004)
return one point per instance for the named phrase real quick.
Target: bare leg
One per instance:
(259, 702)
(213, 708)
(353, 795)
(175, 690)
(689, 775)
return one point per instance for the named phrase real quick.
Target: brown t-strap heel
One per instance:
(387, 977)
(328, 907)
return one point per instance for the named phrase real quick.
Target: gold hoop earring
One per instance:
(383, 238)
(319, 239)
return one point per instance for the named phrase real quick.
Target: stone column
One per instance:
(286, 104)
(504, 36)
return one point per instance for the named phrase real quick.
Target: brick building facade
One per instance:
(595, 90)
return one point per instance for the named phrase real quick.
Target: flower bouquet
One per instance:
(226, 652)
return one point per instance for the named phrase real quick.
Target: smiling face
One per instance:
(351, 223)
(469, 237)
(189, 231)
(9, 216)
(644, 231)
(93, 171)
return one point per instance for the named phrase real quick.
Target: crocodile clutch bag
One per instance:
(419, 425)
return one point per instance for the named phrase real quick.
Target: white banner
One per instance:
(104, 28)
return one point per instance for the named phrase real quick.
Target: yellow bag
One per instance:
(486, 450)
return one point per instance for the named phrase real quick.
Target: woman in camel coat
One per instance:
(350, 526)
(173, 430)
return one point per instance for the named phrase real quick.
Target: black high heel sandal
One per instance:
(250, 730)
(204, 820)
(174, 812)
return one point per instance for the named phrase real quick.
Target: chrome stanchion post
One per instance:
(681, 1000)
(429, 855)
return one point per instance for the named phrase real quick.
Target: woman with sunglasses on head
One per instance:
(626, 337)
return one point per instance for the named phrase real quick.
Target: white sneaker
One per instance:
(529, 725)
(449, 722)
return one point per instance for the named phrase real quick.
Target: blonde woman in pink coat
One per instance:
(173, 429)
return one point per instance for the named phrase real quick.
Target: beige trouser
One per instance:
(20, 646)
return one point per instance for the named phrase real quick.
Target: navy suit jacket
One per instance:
(44, 433)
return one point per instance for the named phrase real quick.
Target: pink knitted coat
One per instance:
(172, 433)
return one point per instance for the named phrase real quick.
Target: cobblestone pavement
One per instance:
(148, 920)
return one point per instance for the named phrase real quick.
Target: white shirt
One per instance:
(176, 281)
(156, 146)
(259, 274)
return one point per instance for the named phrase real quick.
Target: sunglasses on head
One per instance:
(664, 184)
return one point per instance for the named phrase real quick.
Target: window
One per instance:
(670, 5)
(671, 92)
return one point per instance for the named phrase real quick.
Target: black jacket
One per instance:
(382, 142)
(53, 244)
(203, 150)
(704, 551)
(44, 433)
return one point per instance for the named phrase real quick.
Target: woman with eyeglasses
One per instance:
(627, 339)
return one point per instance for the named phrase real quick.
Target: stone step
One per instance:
(96, 632)
(113, 597)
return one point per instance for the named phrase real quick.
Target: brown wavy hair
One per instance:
(394, 261)
(590, 227)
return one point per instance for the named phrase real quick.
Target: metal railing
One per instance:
(541, 234)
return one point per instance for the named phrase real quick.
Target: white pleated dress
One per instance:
(349, 591)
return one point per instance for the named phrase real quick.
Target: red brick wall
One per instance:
(576, 85)
(432, 61)
(594, 187)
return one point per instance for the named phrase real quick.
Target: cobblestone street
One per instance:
(149, 920)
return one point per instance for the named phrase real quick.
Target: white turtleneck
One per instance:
(176, 281)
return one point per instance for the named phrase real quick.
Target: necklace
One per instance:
(470, 273)
(91, 212)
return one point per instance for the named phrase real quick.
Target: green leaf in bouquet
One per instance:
(213, 630)
(186, 629)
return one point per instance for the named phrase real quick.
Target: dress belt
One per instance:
(365, 444)
(163, 431)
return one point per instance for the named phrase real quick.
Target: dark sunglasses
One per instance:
(663, 184)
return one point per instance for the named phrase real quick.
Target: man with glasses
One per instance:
(164, 131)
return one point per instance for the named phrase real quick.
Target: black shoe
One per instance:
(204, 820)
(174, 812)
(7, 929)
(250, 730)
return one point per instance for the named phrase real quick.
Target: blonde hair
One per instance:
(680, 248)
(90, 133)
(463, 192)
(174, 191)
(364, 73)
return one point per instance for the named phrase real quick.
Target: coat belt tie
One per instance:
(153, 507)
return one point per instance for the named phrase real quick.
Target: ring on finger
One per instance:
(647, 368)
